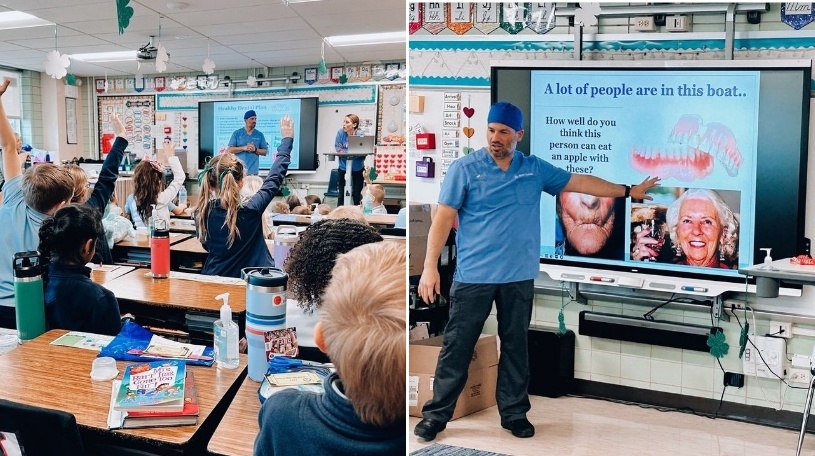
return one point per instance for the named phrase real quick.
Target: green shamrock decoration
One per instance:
(718, 347)
(321, 68)
(372, 174)
(343, 79)
(285, 191)
(124, 13)
(70, 79)
(561, 322)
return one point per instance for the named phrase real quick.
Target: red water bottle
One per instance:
(160, 253)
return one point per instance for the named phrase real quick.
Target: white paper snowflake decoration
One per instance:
(586, 14)
(161, 59)
(56, 65)
(209, 66)
(252, 81)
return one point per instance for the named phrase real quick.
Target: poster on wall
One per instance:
(137, 113)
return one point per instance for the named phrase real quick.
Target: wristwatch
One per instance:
(627, 191)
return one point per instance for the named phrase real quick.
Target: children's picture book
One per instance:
(132, 420)
(281, 342)
(152, 386)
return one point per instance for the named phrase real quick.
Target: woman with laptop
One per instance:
(349, 128)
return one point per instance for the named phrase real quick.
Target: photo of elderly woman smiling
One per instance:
(700, 229)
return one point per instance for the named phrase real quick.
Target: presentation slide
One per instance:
(228, 117)
(696, 130)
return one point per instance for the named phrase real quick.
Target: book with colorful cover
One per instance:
(152, 386)
(187, 416)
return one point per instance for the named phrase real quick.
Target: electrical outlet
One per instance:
(780, 329)
(677, 24)
(645, 24)
(290, 180)
(799, 376)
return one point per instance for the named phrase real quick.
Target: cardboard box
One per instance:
(420, 216)
(482, 375)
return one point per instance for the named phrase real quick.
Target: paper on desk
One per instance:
(88, 341)
(203, 278)
(116, 418)
(157, 342)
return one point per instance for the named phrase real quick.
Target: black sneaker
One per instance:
(428, 428)
(520, 428)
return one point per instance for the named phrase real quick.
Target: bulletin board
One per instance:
(451, 114)
(137, 113)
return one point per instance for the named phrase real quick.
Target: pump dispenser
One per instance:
(226, 337)
(767, 260)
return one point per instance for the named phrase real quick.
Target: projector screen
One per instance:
(733, 132)
(217, 120)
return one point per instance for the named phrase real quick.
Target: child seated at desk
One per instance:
(378, 195)
(309, 267)
(72, 300)
(362, 329)
(148, 181)
(229, 230)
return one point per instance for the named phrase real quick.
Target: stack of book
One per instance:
(153, 394)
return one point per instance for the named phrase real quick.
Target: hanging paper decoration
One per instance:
(123, 12)
(586, 14)
(158, 83)
(415, 17)
(252, 81)
(343, 79)
(321, 66)
(512, 17)
(797, 15)
(56, 65)
(138, 82)
(100, 86)
(486, 17)
(311, 75)
(70, 79)
(434, 21)
(541, 17)
(161, 59)
(209, 66)
(460, 17)
(336, 72)
(213, 82)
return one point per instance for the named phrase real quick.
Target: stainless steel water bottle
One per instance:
(28, 295)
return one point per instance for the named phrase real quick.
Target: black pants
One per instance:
(356, 186)
(470, 305)
(8, 318)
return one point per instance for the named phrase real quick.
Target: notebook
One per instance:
(361, 144)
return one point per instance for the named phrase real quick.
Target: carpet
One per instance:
(437, 449)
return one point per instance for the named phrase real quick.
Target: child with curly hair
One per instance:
(228, 228)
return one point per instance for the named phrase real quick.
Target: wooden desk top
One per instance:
(173, 292)
(191, 245)
(109, 272)
(391, 182)
(57, 377)
(145, 244)
(181, 225)
(236, 433)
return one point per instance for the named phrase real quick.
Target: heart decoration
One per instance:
(468, 111)
(467, 150)
(468, 132)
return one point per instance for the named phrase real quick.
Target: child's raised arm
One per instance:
(11, 165)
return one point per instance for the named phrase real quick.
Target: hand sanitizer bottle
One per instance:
(226, 337)
(367, 203)
(182, 196)
(315, 214)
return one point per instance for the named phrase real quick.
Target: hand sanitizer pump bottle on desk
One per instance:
(768, 260)
(225, 333)
(367, 203)
(315, 214)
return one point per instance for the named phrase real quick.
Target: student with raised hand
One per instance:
(73, 301)
(362, 329)
(229, 229)
(103, 189)
(29, 199)
(148, 181)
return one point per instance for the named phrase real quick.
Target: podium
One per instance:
(349, 158)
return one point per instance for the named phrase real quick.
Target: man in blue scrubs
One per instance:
(249, 144)
(498, 243)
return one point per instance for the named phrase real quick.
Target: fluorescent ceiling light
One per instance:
(368, 38)
(118, 56)
(286, 2)
(19, 19)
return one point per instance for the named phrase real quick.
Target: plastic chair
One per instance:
(29, 424)
(333, 184)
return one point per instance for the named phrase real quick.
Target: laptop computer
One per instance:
(361, 144)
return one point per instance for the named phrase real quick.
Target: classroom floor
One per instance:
(579, 426)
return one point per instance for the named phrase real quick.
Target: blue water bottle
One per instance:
(265, 311)
(28, 295)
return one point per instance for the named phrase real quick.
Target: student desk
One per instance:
(188, 255)
(182, 225)
(236, 433)
(381, 220)
(177, 304)
(109, 272)
(57, 377)
(137, 251)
